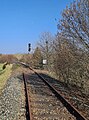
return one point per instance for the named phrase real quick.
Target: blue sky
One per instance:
(22, 21)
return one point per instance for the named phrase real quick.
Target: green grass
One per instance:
(1, 65)
(5, 75)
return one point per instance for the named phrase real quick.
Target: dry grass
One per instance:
(5, 76)
(18, 56)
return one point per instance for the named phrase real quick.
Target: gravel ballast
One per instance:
(12, 100)
(44, 104)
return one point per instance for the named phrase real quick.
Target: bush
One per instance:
(7, 58)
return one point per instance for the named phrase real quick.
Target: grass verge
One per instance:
(3, 77)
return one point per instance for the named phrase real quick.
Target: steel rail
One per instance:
(28, 108)
(69, 107)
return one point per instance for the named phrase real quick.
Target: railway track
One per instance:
(81, 102)
(42, 102)
(45, 102)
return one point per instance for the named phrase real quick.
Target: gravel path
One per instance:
(12, 100)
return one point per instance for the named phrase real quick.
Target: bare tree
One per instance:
(45, 44)
(37, 58)
(72, 45)
(75, 23)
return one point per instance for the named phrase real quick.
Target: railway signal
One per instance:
(29, 47)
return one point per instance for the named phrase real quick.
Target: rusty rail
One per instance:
(69, 107)
(28, 110)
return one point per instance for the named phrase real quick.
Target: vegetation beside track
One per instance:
(18, 56)
(5, 75)
(1, 65)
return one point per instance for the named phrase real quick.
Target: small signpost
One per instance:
(44, 62)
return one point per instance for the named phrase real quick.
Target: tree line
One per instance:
(67, 53)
